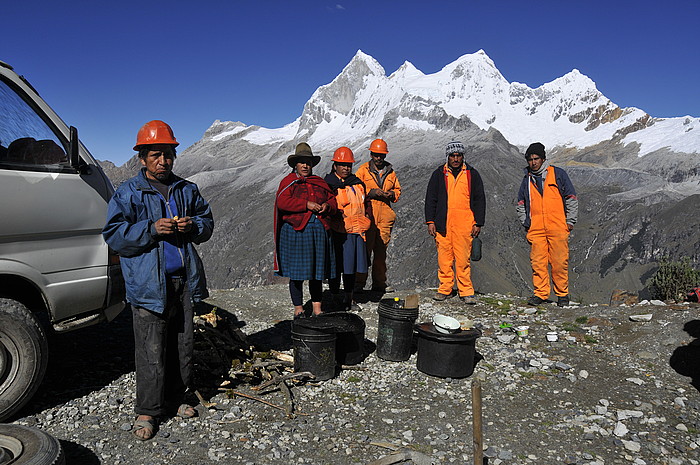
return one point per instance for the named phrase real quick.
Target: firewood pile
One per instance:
(226, 361)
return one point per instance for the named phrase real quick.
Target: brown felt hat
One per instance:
(302, 151)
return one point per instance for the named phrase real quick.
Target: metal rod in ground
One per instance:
(476, 413)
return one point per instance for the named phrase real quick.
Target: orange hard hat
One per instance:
(344, 155)
(155, 132)
(378, 146)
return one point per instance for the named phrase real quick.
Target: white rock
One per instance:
(658, 303)
(625, 414)
(644, 317)
(583, 374)
(636, 381)
(632, 446)
(604, 402)
(681, 427)
(620, 429)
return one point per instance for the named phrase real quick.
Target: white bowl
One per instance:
(445, 324)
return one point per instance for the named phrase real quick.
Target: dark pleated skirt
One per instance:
(306, 254)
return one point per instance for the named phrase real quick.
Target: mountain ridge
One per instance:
(628, 193)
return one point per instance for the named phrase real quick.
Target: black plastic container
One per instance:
(395, 330)
(350, 337)
(446, 355)
(476, 249)
(313, 340)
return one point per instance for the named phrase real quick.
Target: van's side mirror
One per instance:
(73, 149)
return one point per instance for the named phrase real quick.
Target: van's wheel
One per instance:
(21, 445)
(23, 356)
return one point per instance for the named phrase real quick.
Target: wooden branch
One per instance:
(202, 401)
(290, 402)
(282, 356)
(258, 399)
(222, 357)
(477, 433)
(275, 363)
(280, 379)
(353, 367)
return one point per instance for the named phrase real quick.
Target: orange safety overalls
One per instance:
(548, 237)
(456, 246)
(379, 233)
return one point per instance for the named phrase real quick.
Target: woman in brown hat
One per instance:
(303, 251)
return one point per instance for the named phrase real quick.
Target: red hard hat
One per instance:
(155, 132)
(344, 155)
(378, 146)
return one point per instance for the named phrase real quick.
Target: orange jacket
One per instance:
(382, 213)
(351, 203)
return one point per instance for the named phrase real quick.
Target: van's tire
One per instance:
(23, 356)
(22, 445)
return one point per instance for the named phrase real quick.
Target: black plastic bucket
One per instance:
(446, 355)
(350, 337)
(395, 330)
(313, 340)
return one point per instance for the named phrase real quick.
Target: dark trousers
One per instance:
(163, 349)
(296, 291)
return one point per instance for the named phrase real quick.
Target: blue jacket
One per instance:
(131, 213)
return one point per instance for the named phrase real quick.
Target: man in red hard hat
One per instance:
(383, 189)
(153, 221)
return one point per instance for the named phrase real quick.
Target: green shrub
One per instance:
(673, 280)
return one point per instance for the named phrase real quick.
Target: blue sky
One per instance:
(108, 67)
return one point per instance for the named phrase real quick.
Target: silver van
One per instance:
(56, 272)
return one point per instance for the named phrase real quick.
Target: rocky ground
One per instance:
(607, 392)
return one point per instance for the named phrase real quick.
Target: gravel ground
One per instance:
(604, 393)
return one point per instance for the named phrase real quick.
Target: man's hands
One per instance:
(166, 226)
(380, 194)
(432, 231)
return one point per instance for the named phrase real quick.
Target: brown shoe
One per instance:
(440, 297)
(468, 299)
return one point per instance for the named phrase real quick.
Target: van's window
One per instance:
(26, 141)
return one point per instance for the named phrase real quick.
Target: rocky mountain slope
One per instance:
(637, 177)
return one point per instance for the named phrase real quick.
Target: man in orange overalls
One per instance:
(548, 209)
(455, 210)
(383, 189)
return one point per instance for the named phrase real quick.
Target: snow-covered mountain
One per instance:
(636, 176)
(569, 112)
